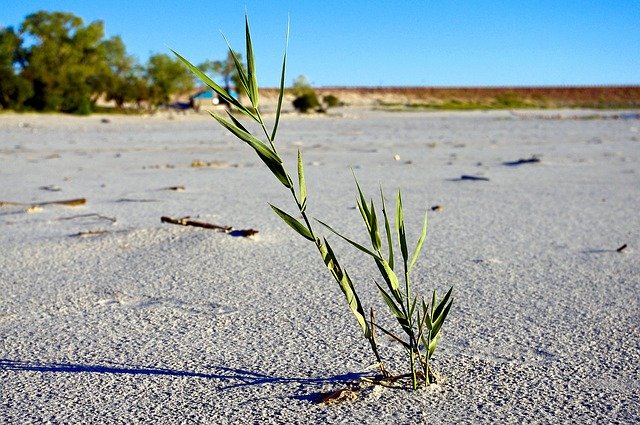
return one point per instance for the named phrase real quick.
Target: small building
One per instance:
(208, 99)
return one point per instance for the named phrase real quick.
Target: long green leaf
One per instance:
(441, 304)
(433, 344)
(401, 317)
(355, 244)
(427, 315)
(354, 304)
(433, 302)
(252, 80)
(421, 322)
(437, 324)
(242, 73)
(402, 237)
(281, 95)
(273, 161)
(214, 86)
(346, 285)
(374, 232)
(236, 122)
(420, 242)
(364, 212)
(424, 321)
(389, 275)
(293, 223)
(278, 170)
(413, 306)
(322, 247)
(387, 229)
(247, 137)
(301, 183)
(391, 304)
(362, 204)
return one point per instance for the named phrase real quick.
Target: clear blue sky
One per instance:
(392, 43)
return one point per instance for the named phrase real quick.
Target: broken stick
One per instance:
(69, 202)
(187, 221)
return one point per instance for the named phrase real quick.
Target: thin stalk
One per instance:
(270, 138)
(412, 341)
(374, 345)
(414, 378)
(426, 361)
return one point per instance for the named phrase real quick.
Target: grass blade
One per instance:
(247, 137)
(242, 74)
(422, 318)
(278, 170)
(213, 85)
(433, 302)
(301, 183)
(362, 205)
(281, 95)
(443, 301)
(374, 232)
(413, 306)
(354, 303)
(293, 223)
(387, 229)
(346, 285)
(427, 316)
(437, 323)
(391, 304)
(402, 237)
(389, 275)
(269, 157)
(364, 212)
(420, 242)
(252, 80)
(236, 122)
(433, 344)
(355, 244)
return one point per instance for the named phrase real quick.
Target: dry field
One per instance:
(485, 97)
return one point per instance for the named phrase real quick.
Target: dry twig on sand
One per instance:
(68, 202)
(187, 221)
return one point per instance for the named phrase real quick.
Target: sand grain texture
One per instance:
(140, 321)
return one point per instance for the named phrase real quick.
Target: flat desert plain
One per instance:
(108, 315)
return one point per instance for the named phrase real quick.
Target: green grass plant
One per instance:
(418, 318)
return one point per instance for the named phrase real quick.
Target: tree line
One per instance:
(54, 62)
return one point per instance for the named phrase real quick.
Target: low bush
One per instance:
(306, 101)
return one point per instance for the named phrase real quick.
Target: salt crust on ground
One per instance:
(156, 323)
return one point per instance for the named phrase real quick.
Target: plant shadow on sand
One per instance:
(234, 377)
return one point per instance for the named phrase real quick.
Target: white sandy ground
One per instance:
(157, 323)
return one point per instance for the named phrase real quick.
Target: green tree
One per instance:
(14, 89)
(139, 86)
(65, 62)
(166, 77)
(123, 78)
(227, 70)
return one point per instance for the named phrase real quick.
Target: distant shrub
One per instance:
(331, 101)
(511, 100)
(305, 97)
(306, 101)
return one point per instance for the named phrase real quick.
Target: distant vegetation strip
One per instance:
(466, 98)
